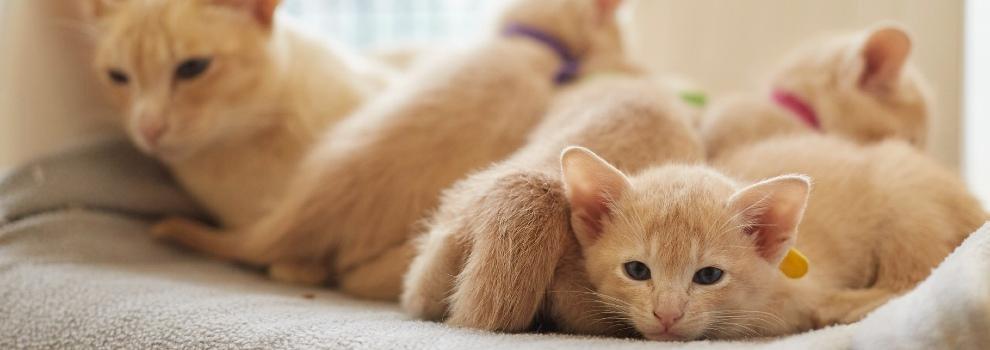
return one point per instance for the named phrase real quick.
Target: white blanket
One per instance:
(78, 271)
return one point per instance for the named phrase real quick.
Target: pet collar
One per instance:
(570, 64)
(801, 109)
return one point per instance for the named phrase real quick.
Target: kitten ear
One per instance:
(885, 52)
(262, 10)
(607, 8)
(773, 209)
(591, 185)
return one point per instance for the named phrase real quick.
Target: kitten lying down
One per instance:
(490, 251)
(228, 97)
(859, 86)
(350, 211)
(685, 252)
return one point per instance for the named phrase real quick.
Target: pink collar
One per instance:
(801, 109)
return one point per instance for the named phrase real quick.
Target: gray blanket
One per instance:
(78, 271)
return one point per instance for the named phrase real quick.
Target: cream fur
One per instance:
(233, 134)
(490, 256)
(879, 218)
(351, 210)
(861, 86)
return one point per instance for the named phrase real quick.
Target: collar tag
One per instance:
(795, 264)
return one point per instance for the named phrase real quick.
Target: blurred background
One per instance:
(48, 101)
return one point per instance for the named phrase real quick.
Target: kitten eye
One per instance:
(118, 77)
(708, 275)
(637, 270)
(192, 68)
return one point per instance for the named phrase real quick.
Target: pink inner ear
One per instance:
(607, 8)
(593, 208)
(884, 55)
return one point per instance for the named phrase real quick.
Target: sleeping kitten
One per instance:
(682, 253)
(355, 203)
(226, 96)
(861, 87)
(491, 249)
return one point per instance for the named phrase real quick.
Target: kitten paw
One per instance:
(304, 273)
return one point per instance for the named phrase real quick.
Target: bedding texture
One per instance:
(79, 271)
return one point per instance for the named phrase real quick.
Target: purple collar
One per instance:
(570, 64)
(801, 109)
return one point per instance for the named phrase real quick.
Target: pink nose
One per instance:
(152, 129)
(668, 318)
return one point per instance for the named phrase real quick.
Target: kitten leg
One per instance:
(519, 230)
(300, 272)
(191, 233)
(380, 278)
(432, 272)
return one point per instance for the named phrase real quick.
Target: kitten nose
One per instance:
(668, 317)
(152, 129)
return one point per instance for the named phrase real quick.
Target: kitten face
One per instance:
(679, 252)
(861, 85)
(185, 73)
(587, 27)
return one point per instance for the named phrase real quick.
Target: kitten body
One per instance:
(234, 132)
(350, 212)
(859, 86)
(879, 219)
(491, 252)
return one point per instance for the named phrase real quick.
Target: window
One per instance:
(378, 23)
(977, 115)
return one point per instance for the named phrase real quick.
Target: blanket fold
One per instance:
(94, 279)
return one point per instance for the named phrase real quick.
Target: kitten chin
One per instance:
(861, 86)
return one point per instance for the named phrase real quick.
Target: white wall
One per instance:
(726, 45)
(977, 121)
(48, 98)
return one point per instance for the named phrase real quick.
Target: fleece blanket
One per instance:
(78, 271)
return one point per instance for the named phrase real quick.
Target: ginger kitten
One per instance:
(226, 96)
(490, 252)
(354, 205)
(681, 253)
(860, 86)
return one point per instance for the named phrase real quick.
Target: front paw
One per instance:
(170, 228)
(307, 274)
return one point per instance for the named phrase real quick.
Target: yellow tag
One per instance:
(795, 264)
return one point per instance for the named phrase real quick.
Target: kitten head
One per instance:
(186, 73)
(680, 252)
(861, 86)
(589, 28)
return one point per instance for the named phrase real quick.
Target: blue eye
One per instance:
(707, 276)
(192, 68)
(637, 270)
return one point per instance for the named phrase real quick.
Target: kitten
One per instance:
(861, 87)
(681, 253)
(490, 251)
(226, 96)
(355, 203)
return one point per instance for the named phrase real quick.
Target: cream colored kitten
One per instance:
(683, 253)
(861, 87)
(352, 209)
(226, 96)
(491, 250)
